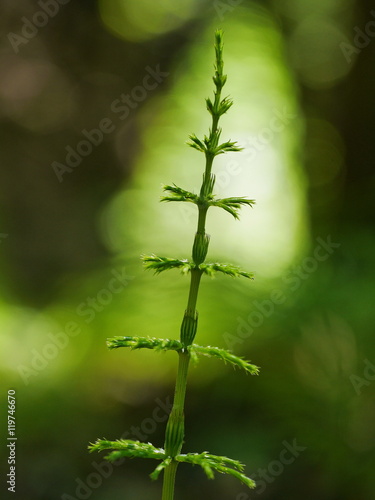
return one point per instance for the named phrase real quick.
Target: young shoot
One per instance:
(170, 455)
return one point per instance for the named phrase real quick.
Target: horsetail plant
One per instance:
(170, 456)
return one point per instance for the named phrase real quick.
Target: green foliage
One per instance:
(171, 455)
(127, 448)
(232, 205)
(226, 147)
(196, 143)
(228, 269)
(160, 264)
(210, 144)
(207, 187)
(224, 465)
(224, 355)
(165, 463)
(224, 105)
(144, 343)
(175, 345)
(179, 194)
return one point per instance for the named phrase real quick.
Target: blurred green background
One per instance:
(129, 78)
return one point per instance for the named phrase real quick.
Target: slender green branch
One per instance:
(231, 205)
(223, 465)
(160, 264)
(228, 269)
(127, 448)
(178, 194)
(171, 455)
(223, 355)
(197, 267)
(176, 345)
(210, 147)
(144, 343)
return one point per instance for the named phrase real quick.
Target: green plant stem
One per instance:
(175, 421)
(183, 367)
(194, 288)
(169, 481)
(176, 418)
(175, 425)
(202, 219)
(171, 456)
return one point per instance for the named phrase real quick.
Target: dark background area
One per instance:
(316, 350)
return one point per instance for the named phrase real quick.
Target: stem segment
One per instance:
(174, 435)
(169, 480)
